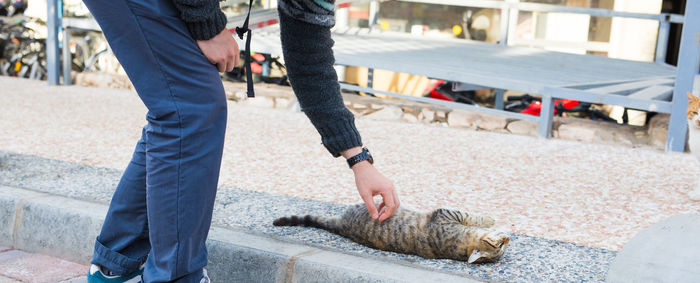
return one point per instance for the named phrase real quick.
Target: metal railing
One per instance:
(508, 7)
(688, 62)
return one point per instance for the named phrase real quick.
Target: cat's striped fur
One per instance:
(442, 233)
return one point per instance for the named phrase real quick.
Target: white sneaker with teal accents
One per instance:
(205, 277)
(95, 275)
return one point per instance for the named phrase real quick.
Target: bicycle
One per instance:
(23, 55)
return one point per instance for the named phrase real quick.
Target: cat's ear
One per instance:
(476, 255)
(692, 97)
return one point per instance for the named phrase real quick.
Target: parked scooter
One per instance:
(531, 105)
(444, 91)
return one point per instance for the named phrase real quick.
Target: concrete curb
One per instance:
(664, 252)
(66, 228)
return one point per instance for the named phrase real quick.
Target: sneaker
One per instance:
(95, 275)
(205, 277)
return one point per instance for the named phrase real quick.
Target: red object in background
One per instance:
(533, 109)
(567, 103)
(266, 23)
(437, 95)
(432, 93)
(536, 107)
(359, 15)
(255, 67)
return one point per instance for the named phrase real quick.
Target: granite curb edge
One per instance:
(65, 227)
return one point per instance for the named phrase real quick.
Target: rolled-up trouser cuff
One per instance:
(116, 263)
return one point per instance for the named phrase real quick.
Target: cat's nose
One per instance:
(697, 122)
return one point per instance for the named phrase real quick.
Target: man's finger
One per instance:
(381, 205)
(237, 59)
(396, 199)
(229, 65)
(390, 206)
(221, 66)
(371, 208)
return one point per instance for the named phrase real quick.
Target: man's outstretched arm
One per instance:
(308, 55)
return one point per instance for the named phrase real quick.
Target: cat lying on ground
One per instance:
(441, 233)
(694, 137)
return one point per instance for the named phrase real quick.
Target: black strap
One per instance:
(241, 31)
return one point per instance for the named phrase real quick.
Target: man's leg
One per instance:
(123, 243)
(185, 131)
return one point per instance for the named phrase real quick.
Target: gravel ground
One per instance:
(527, 258)
(588, 194)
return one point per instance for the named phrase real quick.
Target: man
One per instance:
(172, 50)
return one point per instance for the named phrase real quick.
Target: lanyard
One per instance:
(241, 31)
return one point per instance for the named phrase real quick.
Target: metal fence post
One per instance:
(662, 40)
(505, 28)
(505, 21)
(546, 116)
(688, 65)
(52, 59)
(67, 59)
(373, 13)
(498, 99)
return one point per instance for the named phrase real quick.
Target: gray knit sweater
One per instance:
(203, 18)
(306, 44)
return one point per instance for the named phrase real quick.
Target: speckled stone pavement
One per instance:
(528, 259)
(591, 195)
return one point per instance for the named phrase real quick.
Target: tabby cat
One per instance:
(442, 233)
(694, 136)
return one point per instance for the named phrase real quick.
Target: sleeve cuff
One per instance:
(337, 130)
(208, 28)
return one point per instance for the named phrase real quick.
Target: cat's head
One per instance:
(692, 112)
(489, 247)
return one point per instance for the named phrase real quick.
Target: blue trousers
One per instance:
(161, 210)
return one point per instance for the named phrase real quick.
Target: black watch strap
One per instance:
(362, 156)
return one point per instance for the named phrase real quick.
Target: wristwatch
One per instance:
(362, 156)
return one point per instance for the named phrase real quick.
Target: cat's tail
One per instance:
(331, 224)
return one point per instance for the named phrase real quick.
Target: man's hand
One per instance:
(221, 50)
(371, 183)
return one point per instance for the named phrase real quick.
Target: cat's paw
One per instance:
(487, 221)
(694, 195)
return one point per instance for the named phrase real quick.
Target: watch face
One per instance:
(370, 159)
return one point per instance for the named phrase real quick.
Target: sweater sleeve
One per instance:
(308, 55)
(203, 18)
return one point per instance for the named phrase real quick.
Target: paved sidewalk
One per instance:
(589, 194)
(19, 266)
(569, 206)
